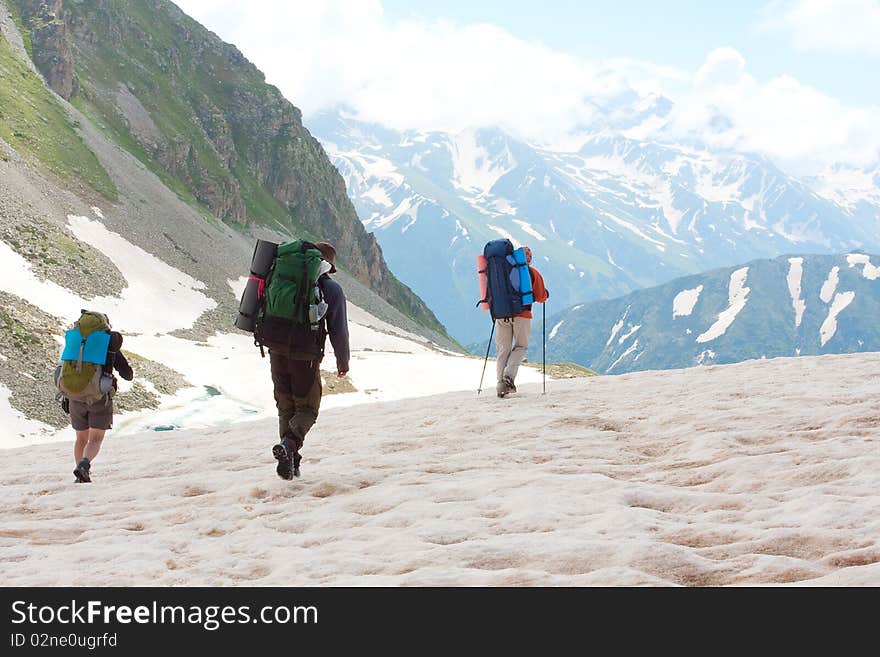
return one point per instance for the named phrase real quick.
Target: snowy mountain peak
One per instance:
(614, 214)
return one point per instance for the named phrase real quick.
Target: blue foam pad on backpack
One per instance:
(94, 350)
(525, 279)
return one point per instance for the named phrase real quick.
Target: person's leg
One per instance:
(307, 393)
(100, 418)
(82, 438)
(96, 437)
(503, 345)
(522, 328)
(281, 383)
(79, 420)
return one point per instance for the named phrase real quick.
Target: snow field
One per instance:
(764, 472)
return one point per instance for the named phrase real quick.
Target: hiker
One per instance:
(512, 334)
(86, 384)
(296, 365)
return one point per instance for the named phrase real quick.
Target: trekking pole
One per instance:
(486, 359)
(544, 344)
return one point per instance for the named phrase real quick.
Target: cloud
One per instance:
(834, 26)
(438, 74)
(722, 66)
(801, 128)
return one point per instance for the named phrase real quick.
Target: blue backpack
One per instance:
(508, 282)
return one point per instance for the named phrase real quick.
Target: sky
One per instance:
(796, 80)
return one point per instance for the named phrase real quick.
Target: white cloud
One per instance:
(436, 74)
(722, 66)
(836, 26)
(801, 128)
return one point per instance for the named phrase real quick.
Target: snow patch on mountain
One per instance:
(616, 328)
(830, 285)
(632, 329)
(556, 328)
(16, 426)
(636, 230)
(869, 271)
(848, 187)
(626, 353)
(684, 302)
(737, 296)
(611, 259)
(152, 284)
(829, 326)
(666, 196)
(475, 169)
(795, 274)
(379, 196)
(527, 228)
(706, 357)
(16, 275)
(504, 234)
(237, 286)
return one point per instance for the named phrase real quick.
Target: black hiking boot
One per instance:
(281, 452)
(81, 472)
(297, 457)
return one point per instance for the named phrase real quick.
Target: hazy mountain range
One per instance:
(608, 212)
(789, 306)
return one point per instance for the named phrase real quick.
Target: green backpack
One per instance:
(291, 316)
(81, 375)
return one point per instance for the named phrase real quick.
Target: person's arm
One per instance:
(119, 361)
(123, 367)
(538, 290)
(337, 325)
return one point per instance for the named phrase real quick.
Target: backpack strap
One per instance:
(259, 313)
(79, 359)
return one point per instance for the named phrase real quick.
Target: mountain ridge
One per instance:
(199, 115)
(792, 305)
(610, 214)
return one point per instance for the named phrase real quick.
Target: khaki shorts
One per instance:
(91, 416)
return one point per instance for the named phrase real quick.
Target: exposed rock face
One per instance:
(51, 45)
(201, 116)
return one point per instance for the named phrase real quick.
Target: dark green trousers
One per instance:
(297, 394)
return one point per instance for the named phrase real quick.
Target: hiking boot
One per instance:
(81, 472)
(509, 382)
(281, 452)
(297, 457)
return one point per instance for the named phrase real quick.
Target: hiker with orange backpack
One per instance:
(510, 285)
(86, 384)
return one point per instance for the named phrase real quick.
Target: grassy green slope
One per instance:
(34, 123)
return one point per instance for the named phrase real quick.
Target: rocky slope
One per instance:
(199, 115)
(789, 306)
(57, 163)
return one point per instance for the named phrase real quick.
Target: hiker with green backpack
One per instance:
(291, 304)
(86, 384)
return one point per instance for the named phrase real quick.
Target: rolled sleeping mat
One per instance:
(250, 302)
(482, 263)
(525, 279)
(264, 256)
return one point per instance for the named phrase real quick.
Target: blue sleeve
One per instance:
(337, 322)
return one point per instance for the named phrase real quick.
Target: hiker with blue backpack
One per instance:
(291, 305)
(509, 286)
(86, 384)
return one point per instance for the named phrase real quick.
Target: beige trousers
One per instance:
(511, 343)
